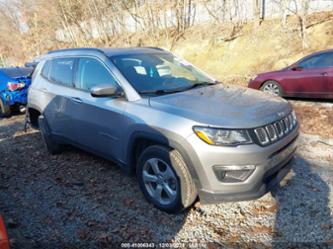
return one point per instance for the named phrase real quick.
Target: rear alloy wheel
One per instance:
(165, 180)
(4, 109)
(52, 146)
(272, 87)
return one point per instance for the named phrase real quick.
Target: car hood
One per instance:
(224, 106)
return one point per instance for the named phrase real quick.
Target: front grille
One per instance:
(273, 132)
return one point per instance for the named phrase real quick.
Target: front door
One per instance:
(307, 82)
(311, 77)
(98, 121)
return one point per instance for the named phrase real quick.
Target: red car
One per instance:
(4, 243)
(310, 77)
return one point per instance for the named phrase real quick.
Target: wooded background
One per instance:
(29, 28)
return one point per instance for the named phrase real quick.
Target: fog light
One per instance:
(233, 173)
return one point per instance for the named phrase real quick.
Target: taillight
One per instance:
(13, 86)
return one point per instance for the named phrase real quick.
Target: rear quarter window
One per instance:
(46, 69)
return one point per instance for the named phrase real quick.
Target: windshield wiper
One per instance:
(176, 90)
(159, 91)
(195, 85)
(202, 83)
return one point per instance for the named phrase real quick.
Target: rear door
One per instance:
(58, 91)
(311, 79)
(98, 122)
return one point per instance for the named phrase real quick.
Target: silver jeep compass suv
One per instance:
(183, 133)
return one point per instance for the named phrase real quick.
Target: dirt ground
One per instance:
(316, 118)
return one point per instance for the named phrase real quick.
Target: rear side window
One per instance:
(61, 71)
(92, 72)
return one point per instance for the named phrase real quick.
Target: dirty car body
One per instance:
(14, 83)
(204, 138)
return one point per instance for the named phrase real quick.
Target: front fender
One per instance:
(162, 137)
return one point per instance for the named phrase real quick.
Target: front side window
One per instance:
(159, 72)
(92, 72)
(318, 61)
(61, 71)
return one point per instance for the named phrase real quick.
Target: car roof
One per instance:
(16, 72)
(318, 53)
(108, 51)
(313, 54)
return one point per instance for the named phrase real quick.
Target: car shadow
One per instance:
(317, 100)
(303, 218)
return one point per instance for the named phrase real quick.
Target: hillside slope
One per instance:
(234, 56)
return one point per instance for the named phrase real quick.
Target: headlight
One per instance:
(294, 117)
(216, 136)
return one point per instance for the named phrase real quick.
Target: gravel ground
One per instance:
(316, 117)
(77, 200)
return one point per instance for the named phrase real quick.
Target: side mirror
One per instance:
(31, 64)
(106, 91)
(296, 68)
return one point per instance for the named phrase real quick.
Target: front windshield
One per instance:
(152, 72)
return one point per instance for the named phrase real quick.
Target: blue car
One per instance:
(14, 83)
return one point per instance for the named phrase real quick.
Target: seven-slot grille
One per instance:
(273, 132)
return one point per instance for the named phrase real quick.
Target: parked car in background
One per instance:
(310, 77)
(184, 134)
(14, 83)
(4, 242)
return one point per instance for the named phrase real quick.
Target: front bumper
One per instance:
(254, 84)
(272, 164)
(270, 180)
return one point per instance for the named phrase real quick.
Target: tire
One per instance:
(52, 147)
(173, 175)
(272, 87)
(15, 109)
(5, 110)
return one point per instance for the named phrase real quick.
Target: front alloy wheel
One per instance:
(272, 87)
(165, 179)
(160, 181)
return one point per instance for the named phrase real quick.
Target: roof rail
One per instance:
(75, 49)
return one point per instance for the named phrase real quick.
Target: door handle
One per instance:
(324, 74)
(77, 100)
